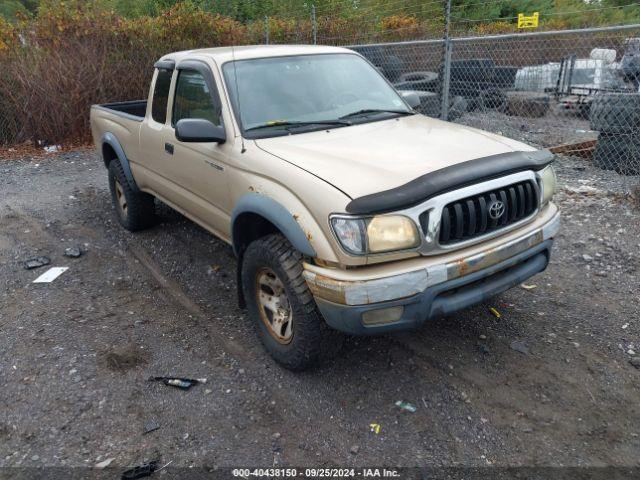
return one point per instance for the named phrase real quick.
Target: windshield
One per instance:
(284, 95)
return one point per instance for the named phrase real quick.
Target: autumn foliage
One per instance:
(72, 55)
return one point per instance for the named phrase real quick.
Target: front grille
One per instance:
(471, 217)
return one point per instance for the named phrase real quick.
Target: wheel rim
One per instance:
(273, 305)
(122, 200)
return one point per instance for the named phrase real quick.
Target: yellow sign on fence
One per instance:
(528, 22)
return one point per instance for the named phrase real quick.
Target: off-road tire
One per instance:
(140, 206)
(618, 152)
(615, 113)
(313, 340)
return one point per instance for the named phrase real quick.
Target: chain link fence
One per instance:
(576, 91)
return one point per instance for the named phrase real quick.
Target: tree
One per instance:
(10, 8)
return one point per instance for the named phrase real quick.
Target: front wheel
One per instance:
(281, 306)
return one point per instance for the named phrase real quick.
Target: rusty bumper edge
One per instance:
(364, 292)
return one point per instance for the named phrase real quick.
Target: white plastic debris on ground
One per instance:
(51, 274)
(52, 148)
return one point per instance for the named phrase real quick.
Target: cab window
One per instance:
(161, 95)
(193, 98)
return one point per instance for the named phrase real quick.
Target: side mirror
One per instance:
(199, 130)
(410, 97)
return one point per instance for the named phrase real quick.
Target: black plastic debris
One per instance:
(72, 252)
(36, 262)
(150, 426)
(141, 471)
(182, 383)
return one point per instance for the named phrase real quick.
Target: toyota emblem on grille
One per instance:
(496, 209)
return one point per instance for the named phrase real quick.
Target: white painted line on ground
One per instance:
(51, 274)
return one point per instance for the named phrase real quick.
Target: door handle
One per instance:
(168, 147)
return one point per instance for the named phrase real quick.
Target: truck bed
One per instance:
(122, 120)
(134, 109)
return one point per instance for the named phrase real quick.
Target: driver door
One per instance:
(198, 170)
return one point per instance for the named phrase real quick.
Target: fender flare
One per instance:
(111, 140)
(274, 212)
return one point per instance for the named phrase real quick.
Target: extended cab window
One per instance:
(161, 95)
(193, 98)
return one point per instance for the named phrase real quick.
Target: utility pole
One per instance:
(266, 30)
(314, 24)
(446, 70)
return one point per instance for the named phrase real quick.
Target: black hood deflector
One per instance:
(449, 178)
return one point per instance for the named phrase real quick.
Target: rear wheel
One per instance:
(134, 210)
(281, 306)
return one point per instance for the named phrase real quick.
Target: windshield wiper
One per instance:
(292, 123)
(376, 110)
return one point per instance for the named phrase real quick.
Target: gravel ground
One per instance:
(554, 129)
(549, 383)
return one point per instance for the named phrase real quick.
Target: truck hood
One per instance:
(372, 157)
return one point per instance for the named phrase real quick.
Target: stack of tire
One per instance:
(427, 86)
(475, 80)
(389, 64)
(424, 81)
(617, 117)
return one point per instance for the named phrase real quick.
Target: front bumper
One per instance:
(406, 300)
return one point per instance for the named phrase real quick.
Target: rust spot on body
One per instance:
(465, 266)
(462, 267)
(327, 288)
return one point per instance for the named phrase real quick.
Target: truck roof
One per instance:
(225, 54)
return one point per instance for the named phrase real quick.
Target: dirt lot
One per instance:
(548, 383)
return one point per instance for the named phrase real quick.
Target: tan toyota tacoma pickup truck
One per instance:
(347, 210)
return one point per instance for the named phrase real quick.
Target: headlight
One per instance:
(547, 178)
(384, 233)
(393, 232)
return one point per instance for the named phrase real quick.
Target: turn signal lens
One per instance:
(350, 233)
